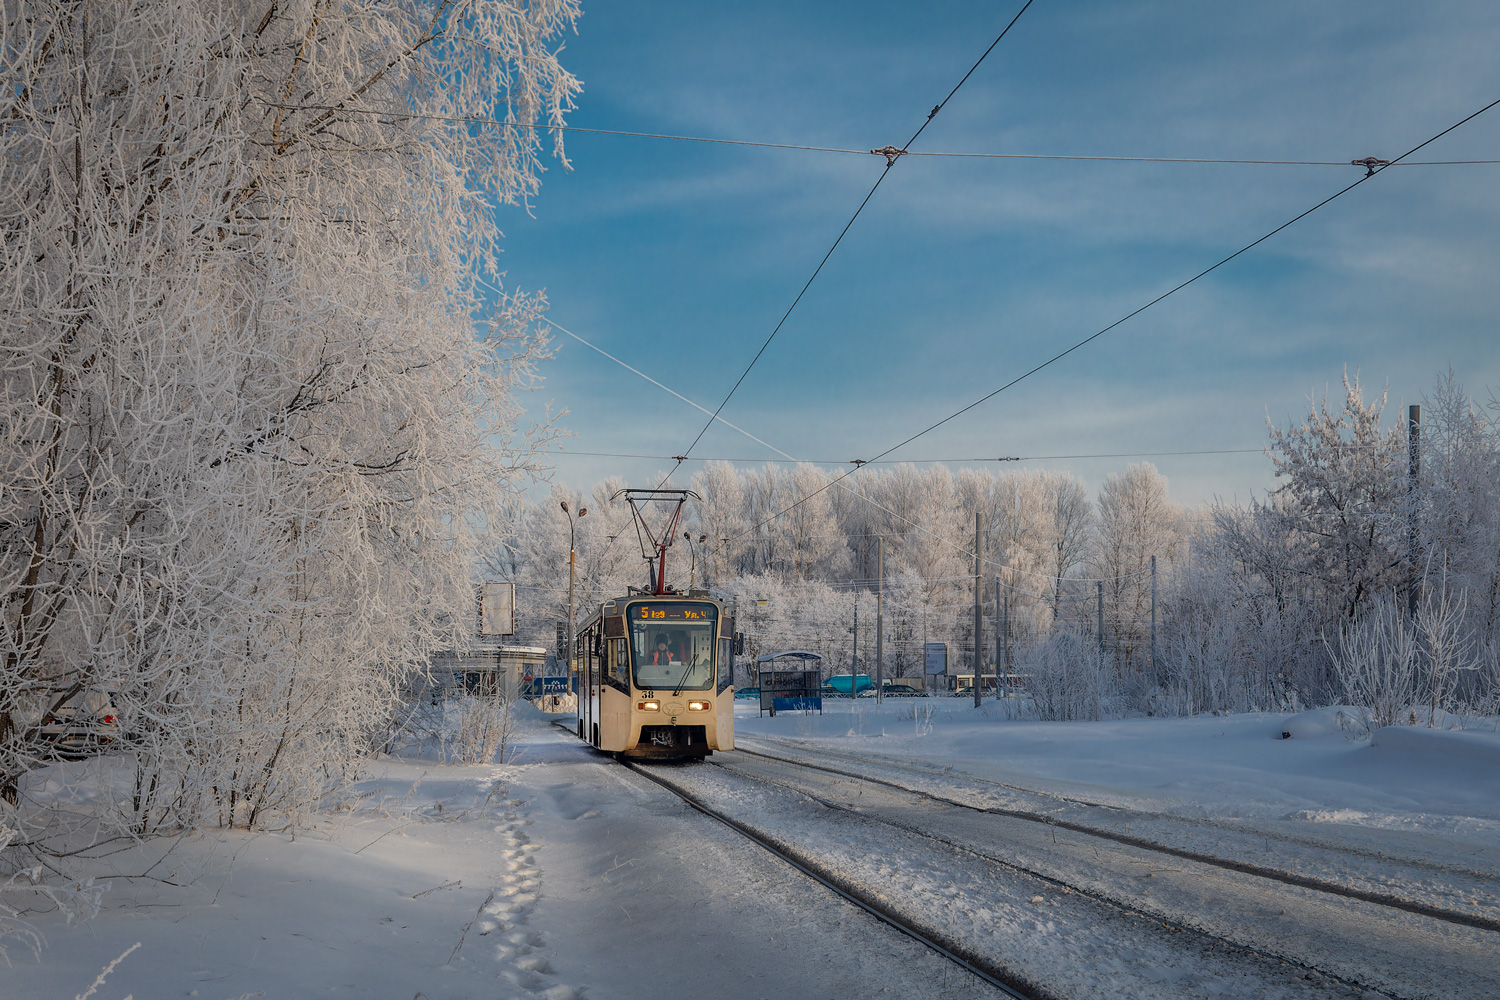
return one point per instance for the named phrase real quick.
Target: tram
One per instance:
(656, 667)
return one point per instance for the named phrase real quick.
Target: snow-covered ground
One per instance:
(1411, 779)
(561, 875)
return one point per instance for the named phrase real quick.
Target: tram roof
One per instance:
(796, 654)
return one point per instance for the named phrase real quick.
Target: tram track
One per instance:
(1129, 812)
(979, 966)
(1301, 880)
(1105, 899)
(899, 889)
(998, 976)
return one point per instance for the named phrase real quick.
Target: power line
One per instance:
(890, 161)
(1135, 312)
(888, 151)
(907, 461)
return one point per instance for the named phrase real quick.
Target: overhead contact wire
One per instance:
(1133, 313)
(890, 162)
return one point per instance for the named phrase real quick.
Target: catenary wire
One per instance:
(911, 461)
(890, 162)
(720, 419)
(1133, 313)
(933, 154)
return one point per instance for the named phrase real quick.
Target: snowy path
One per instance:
(1398, 953)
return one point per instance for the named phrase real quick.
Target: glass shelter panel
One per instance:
(672, 645)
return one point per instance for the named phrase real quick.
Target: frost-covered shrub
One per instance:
(482, 725)
(1375, 659)
(1067, 676)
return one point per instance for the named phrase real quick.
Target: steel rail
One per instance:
(1303, 840)
(997, 976)
(1097, 896)
(1242, 867)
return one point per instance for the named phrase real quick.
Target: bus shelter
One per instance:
(791, 681)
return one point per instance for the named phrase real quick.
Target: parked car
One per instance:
(83, 725)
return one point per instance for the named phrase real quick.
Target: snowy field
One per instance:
(561, 875)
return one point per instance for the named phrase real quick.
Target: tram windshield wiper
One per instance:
(687, 671)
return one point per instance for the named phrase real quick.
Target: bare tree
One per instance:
(1070, 530)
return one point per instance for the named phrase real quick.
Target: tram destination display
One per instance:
(673, 612)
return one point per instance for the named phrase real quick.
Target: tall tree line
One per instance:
(1247, 597)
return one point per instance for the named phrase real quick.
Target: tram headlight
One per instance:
(648, 706)
(699, 706)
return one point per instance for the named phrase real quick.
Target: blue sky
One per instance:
(679, 258)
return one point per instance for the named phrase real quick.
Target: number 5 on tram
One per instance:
(657, 674)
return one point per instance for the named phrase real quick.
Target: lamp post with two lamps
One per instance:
(572, 559)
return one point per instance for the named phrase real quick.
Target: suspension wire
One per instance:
(891, 156)
(916, 461)
(870, 500)
(397, 114)
(1135, 312)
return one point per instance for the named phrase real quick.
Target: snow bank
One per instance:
(1444, 748)
(1319, 723)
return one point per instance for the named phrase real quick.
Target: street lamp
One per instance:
(572, 559)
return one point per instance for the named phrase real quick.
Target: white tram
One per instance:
(659, 677)
(656, 668)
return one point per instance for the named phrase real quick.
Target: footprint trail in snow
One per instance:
(503, 921)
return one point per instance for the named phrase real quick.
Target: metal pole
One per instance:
(572, 646)
(1101, 617)
(1152, 656)
(1007, 631)
(879, 619)
(997, 641)
(1413, 539)
(978, 597)
(854, 660)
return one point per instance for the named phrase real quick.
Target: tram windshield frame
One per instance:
(691, 630)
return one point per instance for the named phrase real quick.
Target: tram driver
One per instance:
(661, 656)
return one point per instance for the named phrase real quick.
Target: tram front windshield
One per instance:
(672, 645)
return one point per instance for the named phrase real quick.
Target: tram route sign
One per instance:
(935, 658)
(673, 612)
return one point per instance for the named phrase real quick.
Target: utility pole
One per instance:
(1151, 657)
(1100, 628)
(879, 619)
(998, 641)
(1413, 538)
(978, 598)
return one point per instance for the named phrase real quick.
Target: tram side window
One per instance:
(726, 669)
(619, 663)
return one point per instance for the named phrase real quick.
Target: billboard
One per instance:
(497, 609)
(935, 658)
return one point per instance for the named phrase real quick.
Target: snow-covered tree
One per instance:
(1072, 519)
(1136, 521)
(247, 429)
(1342, 500)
